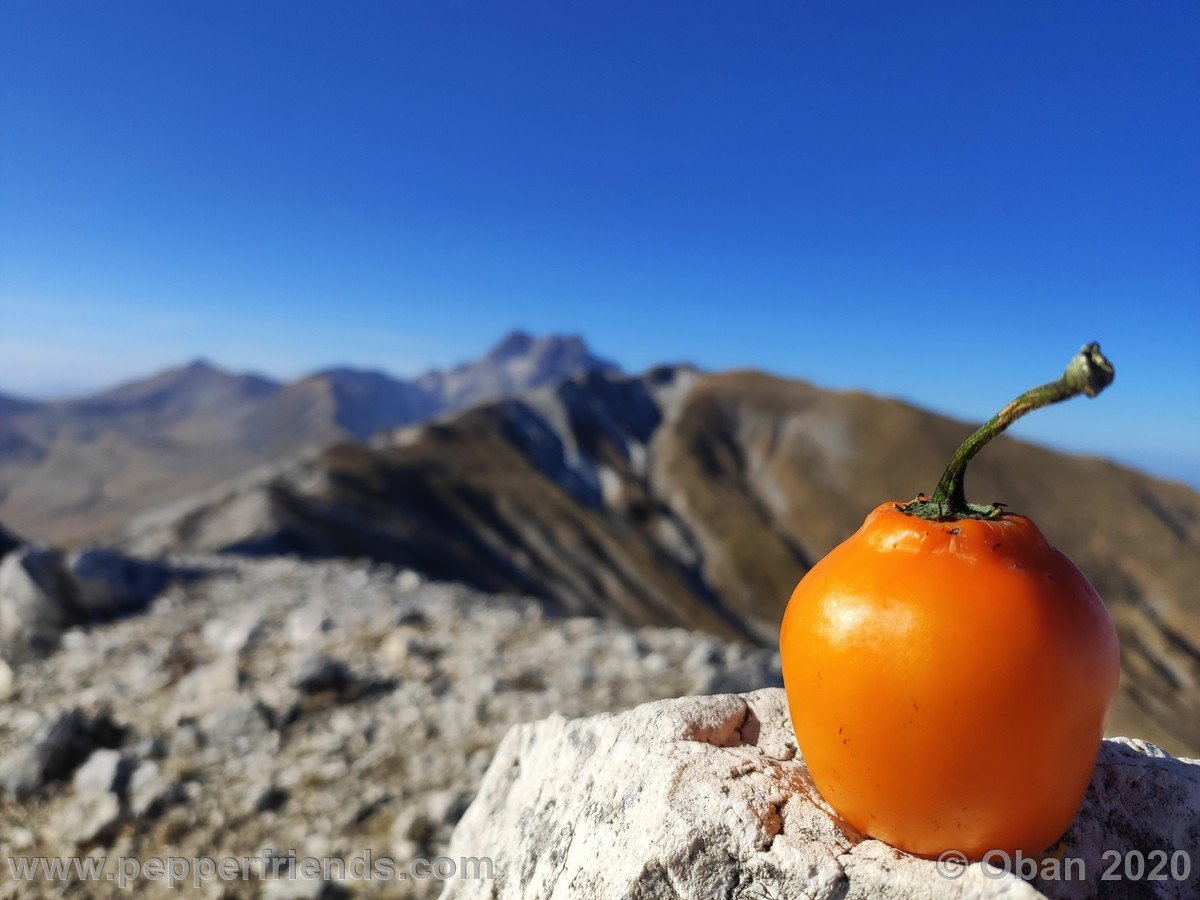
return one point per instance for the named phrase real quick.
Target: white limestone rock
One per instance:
(8, 680)
(36, 593)
(707, 797)
(94, 807)
(44, 591)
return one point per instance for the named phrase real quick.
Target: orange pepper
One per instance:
(948, 671)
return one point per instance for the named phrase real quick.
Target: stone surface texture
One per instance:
(324, 707)
(707, 797)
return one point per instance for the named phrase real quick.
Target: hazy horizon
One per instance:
(1178, 469)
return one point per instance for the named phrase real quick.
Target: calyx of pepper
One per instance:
(1089, 372)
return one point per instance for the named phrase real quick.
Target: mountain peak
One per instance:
(350, 375)
(519, 343)
(200, 364)
(519, 362)
(188, 376)
(191, 385)
(515, 343)
(198, 369)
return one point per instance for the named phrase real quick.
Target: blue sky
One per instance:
(934, 201)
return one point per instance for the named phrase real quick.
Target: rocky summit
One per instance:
(704, 797)
(328, 708)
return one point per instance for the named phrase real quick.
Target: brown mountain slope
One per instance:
(700, 500)
(86, 464)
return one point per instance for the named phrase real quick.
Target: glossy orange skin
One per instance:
(949, 682)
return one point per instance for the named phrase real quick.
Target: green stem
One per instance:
(1088, 373)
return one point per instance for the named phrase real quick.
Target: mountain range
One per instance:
(76, 471)
(699, 500)
(675, 497)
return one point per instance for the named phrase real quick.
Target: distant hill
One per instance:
(699, 500)
(78, 470)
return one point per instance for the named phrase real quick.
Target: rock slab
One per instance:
(705, 797)
(44, 591)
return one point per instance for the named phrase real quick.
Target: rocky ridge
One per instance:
(326, 707)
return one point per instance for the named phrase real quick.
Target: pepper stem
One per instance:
(1088, 373)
